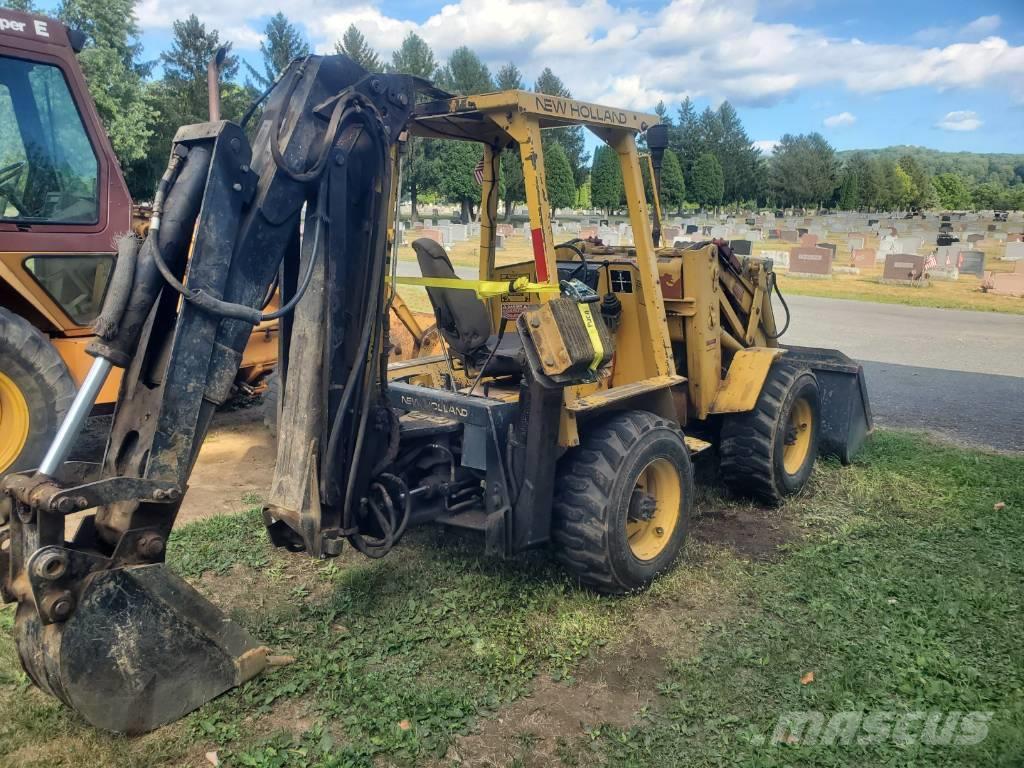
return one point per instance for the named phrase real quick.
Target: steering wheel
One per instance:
(10, 172)
(571, 245)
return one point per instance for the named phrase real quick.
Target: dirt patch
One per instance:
(753, 533)
(236, 460)
(535, 729)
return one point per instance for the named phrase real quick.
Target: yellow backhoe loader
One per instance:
(570, 394)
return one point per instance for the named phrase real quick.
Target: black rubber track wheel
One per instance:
(768, 453)
(599, 513)
(41, 383)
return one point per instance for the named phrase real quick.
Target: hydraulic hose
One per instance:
(785, 306)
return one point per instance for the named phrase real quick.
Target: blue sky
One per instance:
(942, 74)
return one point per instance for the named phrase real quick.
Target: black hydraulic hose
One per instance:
(307, 276)
(362, 355)
(242, 312)
(785, 306)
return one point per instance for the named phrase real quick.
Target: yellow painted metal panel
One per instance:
(742, 385)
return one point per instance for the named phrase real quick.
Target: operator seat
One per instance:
(463, 319)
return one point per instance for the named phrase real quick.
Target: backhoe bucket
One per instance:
(845, 411)
(141, 649)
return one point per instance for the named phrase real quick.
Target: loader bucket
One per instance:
(845, 411)
(141, 649)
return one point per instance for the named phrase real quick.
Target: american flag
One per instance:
(930, 261)
(960, 260)
(478, 172)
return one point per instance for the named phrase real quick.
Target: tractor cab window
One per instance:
(48, 169)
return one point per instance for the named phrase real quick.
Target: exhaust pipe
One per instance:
(213, 82)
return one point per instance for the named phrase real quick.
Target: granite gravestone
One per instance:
(972, 263)
(903, 266)
(810, 261)
(740, 247)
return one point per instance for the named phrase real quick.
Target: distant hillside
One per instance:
(1003, 169)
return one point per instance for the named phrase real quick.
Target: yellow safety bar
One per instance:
(484, 289)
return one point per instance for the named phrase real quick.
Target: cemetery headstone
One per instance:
(740, 247)
(903, 267)
(810, 261)
(863, 257)
(971, 263)
(1014, 251)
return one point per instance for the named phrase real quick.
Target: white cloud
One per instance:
(961, 120)
(709, 49)
(839, 121)
(767, 146)
(977, 29)
(982, 26)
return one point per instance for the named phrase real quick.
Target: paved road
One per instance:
(954, 372)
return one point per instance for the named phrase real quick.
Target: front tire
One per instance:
(36, 391)
(622, 510)
(768, 453)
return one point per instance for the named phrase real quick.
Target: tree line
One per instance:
(711, 160)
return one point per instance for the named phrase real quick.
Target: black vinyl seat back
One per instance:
(462, 318)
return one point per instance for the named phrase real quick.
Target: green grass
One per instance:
(916, 606)
(396, 658)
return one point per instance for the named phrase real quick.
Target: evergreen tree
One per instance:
(662, 112)
(849, 190)
(353, 44)
(606, 191)
(20, 5)
(736, 154)
(569, 138)
(181, 96)
(558, 174)
(685, 139)
(465, 73)
(456, 162)
(414, 57)
(706, 183)
(673, 184)
(509, 78)
(185, 66)
(514, 190)
(803, 170)
(283, 43)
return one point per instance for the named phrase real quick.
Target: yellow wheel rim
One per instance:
(797, 440)
(654, 509)
(14, 422)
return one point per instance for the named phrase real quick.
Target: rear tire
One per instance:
(768, 453)
(36, 391)
(622, 509)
